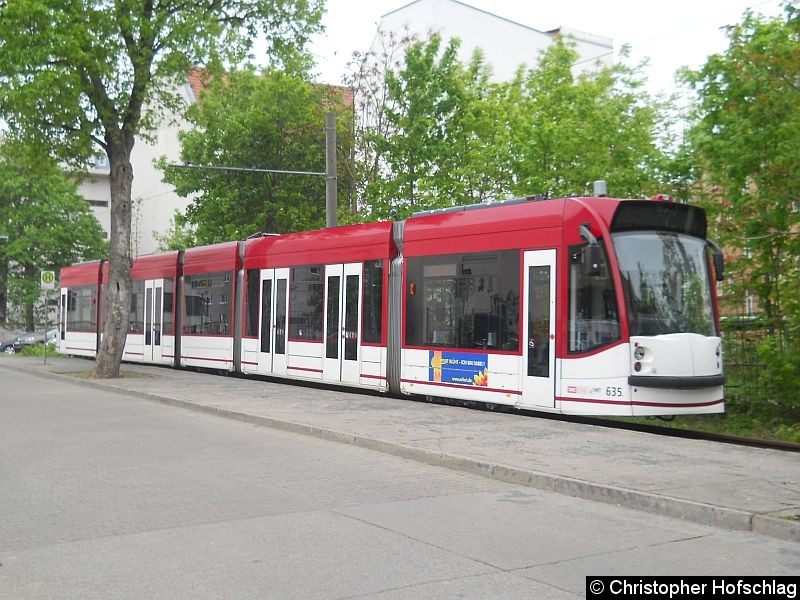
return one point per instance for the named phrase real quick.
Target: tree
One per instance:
(367, 78)
(567, 131)
(83, 75)
(47, 223)
(445, 135)
(747, 141)
(434, 126)
(274, 120)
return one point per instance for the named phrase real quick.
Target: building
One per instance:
(505, 44)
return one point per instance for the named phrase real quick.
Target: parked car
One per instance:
(8, 346)
(28, 339)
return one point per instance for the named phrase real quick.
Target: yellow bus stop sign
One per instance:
(48, 280)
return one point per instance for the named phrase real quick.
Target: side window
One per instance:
(305, 303)
(136, 316)
(593, 313)
(82, 308)
(464, 301)
(253, 302)
(169, 286)
(207, 302)
(372, 311)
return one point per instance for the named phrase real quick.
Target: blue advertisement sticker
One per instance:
(460, 368)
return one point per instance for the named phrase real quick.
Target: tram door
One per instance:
(342, 323)
(539, 300)
(272, 330)
(153, 318)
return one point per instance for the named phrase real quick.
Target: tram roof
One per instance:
(154, 266)
(484, 226)
(210, 259)
(87, 273)
(348, 243)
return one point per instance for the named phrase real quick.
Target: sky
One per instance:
(671, 34)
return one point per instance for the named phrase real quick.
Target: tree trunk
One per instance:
(3, 278)
(118, 283)
(30, 275)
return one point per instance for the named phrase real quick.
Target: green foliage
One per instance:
(568, 131)
(38, 350)
(747, 140)
(439, 126)
(271, 121)
(82, 73)
(179, 236)
(446, 135)
(780, 371)
(762, 368)
(47, 223)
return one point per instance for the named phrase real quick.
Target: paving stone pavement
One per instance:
(107, 495)
(728, 486)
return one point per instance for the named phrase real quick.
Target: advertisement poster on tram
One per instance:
(460, 368)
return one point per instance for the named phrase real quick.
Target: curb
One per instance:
(696, 512)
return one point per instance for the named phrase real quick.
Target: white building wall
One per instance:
(506, 44)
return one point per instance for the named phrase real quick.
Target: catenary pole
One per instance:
(330, 170)
(331, 179)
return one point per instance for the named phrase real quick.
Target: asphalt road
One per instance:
(108, 496)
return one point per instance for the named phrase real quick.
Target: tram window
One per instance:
(169, 284)
(266, 314)
(136, 315)
(593, 313)
(206, 303)
(351, 318)
(280, 316)
(253, 302)
(464, 300)
(372, 327)
(305, 303)
(332, 332)
(82, 308)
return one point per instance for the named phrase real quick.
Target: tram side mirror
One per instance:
(592, 254)
(592, 260)
(719, 261)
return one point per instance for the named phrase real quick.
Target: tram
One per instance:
(581, 305)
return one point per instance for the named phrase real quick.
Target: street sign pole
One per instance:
(48, 282)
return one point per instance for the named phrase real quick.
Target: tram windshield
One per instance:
(665, 280)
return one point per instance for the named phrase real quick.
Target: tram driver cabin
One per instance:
(584, 305)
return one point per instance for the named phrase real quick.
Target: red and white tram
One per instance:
(575, 305)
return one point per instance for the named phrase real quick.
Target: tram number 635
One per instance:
(614, 392)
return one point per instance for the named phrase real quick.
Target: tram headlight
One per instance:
(638, 354)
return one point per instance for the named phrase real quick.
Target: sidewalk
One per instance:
(715, 484)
